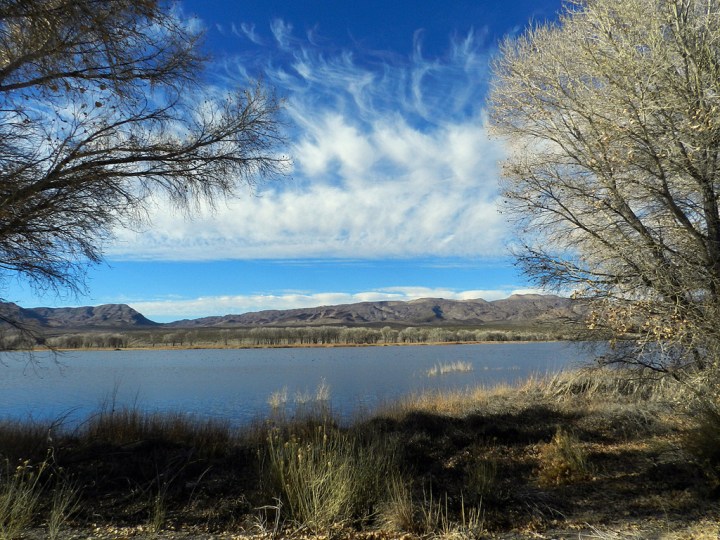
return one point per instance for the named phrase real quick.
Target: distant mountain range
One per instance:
(425, 311)
(107, 316)
(516, 309)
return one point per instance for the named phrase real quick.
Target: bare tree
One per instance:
(612, 119)
(103, 106)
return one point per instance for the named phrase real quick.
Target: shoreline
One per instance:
(289, 346)
(505, 450)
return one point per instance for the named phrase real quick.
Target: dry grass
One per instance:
(397, 512)
(563, 460)
(602, 452)
(437, 520)
(609, 383)
(701, 437)
(25, 488)
(452, 367)
(129, 426)
(278, 400)
(428, 516)
(25, 441)
(65, 503)
(305, 404)
(20, 493)
(326, 477)
(453, 402)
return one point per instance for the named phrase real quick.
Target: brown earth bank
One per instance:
(590, 454)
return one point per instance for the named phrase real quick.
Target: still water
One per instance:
(235, 384)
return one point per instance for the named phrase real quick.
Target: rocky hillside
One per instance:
(517, 309)
(107, 316)
(425, 311)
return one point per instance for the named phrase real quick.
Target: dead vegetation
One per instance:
(585, 454)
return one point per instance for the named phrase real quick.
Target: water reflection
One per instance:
(239, 385)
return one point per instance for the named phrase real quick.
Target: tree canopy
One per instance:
(102, 107)
(612, 120)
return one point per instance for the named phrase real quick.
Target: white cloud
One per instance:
(165, 310)
(282, 32)
(249, 31)
(391, 159)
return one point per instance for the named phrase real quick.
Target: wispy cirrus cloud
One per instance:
(391, 159)
(282, 31)
(249, 31)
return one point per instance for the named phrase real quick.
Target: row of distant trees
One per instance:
(20, 340)
(274, 337)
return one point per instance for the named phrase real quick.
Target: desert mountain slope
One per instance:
(107, 316)
(425, 311)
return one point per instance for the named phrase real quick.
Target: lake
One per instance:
(236, 384)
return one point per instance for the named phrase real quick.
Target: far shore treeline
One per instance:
(280, 337)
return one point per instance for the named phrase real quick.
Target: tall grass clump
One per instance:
(65, 503)
(452, 367)
(429, 517)
(34, 485)
(20, 494)
(28, 440)
(209, 437)
(305, 404)
(398, 512)
(326, 477)
(481, 479)
(278, 400)
(436, 519)
(158, 513)
(563, 460)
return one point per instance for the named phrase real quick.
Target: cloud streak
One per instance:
(166, 310)
(391, 160)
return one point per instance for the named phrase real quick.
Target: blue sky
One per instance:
(393, 188)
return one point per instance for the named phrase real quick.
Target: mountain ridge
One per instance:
(423, 311)
(529, 308)
(104, 316)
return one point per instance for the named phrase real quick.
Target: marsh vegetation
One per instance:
(450, 367)
(607, 452)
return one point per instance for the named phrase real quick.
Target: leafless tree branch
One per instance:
(613, 178)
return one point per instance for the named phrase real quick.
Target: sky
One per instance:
(392, 192)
